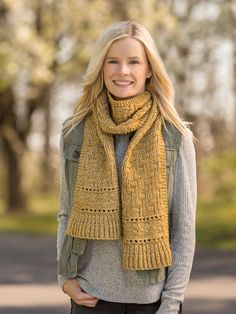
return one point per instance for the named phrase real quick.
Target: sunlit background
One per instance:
(45, 47)
(44, 50)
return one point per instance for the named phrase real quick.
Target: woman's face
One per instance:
(125, 68)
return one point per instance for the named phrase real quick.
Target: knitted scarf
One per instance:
(137, 212)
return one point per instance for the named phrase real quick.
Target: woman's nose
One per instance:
(124, 69)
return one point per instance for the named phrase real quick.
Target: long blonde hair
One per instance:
(159, 84)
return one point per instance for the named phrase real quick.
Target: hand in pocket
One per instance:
(73, 289)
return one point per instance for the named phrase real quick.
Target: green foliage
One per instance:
(221, 171)
(216, 224)
(52, 40)
(40, 220)
(32, 223)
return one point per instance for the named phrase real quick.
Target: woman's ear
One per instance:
(149, 74)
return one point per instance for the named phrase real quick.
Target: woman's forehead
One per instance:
(130, 47)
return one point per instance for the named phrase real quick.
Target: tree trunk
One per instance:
(16, 197)
(234, 86)
(46, 165)
(13, 149)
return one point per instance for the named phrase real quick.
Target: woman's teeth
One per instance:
(123, 83)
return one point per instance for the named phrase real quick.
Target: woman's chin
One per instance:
(122, 95)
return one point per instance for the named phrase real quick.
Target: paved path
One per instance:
(28, 279)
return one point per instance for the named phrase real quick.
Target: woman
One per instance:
(126, 232)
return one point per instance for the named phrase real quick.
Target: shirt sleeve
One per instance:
(182, 227)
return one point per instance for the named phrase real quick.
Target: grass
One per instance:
(216, 223)
(40, 220)
(32, 223)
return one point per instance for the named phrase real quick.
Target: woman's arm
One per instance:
(69, 285)
(182, 227)
(63, 213)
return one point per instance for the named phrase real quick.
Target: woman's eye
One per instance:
(115, 61)
(112, 61)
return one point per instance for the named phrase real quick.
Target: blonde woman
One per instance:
(126, 233)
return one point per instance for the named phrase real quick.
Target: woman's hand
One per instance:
(72, 288)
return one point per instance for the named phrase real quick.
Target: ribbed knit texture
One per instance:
(141, 218)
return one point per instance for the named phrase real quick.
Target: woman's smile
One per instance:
(122, 83)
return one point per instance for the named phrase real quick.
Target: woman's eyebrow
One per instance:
(118, 58)
(111, 58)
(135, 57)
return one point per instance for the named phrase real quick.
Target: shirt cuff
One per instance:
(169, 306)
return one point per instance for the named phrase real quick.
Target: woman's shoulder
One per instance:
(71, 131)
(172, 136)
(187, 142)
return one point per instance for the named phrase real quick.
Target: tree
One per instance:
(32, 57)
(45, 43)
(41, 42)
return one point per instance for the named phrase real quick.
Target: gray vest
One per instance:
(72, 247)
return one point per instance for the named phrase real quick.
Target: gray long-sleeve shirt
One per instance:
(100, 272)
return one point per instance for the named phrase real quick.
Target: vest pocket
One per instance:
(72, 151)
(170, 160)
(71, 155)
(64, 256)
(152, 276)
(157, 275)
(169, 155)
(71, 249)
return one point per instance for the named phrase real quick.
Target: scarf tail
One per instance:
(94, 216)
(104, 226)
(141, 256)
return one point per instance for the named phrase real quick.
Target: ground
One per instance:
(28, 282)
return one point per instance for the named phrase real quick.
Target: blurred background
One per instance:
(44, 50)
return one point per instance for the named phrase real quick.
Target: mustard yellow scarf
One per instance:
(137, 212)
